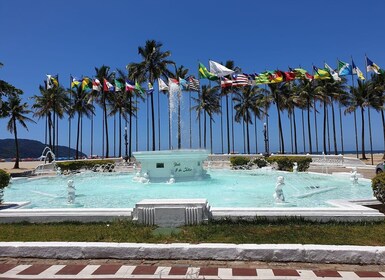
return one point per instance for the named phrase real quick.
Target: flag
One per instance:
(85, 84)
(333, 73)
(150, 88)
(107, 86)
(118, 85)
(344, 68)
(320, 74)
(130, 86)
(240, 80)
(205, 74)
(262, 78)
(52, 81)
(162, 85)
(74, 82)
(219, 70)
(139, 88)
(183, 84)
(371, 66)
(96, 85)
(357, 71)
(289, 76)
(276, 77)
(193, 84)
(225, 83)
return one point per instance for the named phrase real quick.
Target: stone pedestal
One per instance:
(171, 212)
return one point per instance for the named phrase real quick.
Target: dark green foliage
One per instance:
(378, 186)
(4, 179)
(286, 163)
(239, 160)
(260, 162)
(30, 149)
(81, 164)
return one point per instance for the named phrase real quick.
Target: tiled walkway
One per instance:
(118, 271)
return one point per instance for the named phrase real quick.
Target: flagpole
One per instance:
(69, 122)
(189, 93)
(355, 116)
(370, 123)
(158, 117)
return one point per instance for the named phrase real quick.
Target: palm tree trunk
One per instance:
(303, 132)
(106, 125)
(16, 166)
(232, 124)
(324, 129)
(356, 131)
(228, 125)
(50, 136)
(370, 136)
(179, 122)
(334, 129)
(204, 129)
(315, 126)
(169, 122)
(153, 120)
(341, 130)
(256, 134)
(280, 130)
(363, 133)
(211, 135)
(383, 129)
(327, 124)
(244, 137)
(120, 133)
(295, 134)
(199, 130)
(221, 100)
(77, 139)
(291, 131)
(309, 126)
(247, 137)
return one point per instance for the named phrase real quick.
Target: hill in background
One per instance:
(31, 149)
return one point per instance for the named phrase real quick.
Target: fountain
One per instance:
(47, 168)
(171, 165)
(71, 192)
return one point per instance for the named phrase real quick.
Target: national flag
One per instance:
(262, 78)
(357, 71)
(289, 76)
(183, 84)
(107, 86)
(225, 83)
(162, 85)
(344, 68)
(193, 84)
(219, 70)
(85, 84)
(371, 66)
(150, 88)
(333, 73)
(240, 80)
(74, 82)
(96, 85)
(118, 85)
(276, 77)
(139, 88)
(52, 81)
(205, 74)
(130, 86)
(320, 74)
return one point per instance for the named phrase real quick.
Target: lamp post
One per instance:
(266, 138)
(125, 143)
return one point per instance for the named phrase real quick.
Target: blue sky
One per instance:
(72, 37)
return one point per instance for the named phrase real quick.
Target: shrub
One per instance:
(80, 164)
(260, 162)
(286, 163)
(4, 181)
(239, 160)
(378, 186)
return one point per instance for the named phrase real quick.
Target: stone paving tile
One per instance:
(71, 269)
(326, 273)
(35, 269)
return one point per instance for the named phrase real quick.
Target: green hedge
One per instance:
(4, 181)
(286, 163)
(81, 164)
(378, 186)
(260, 162)
(239, 160)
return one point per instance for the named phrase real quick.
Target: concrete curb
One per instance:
(207, 251)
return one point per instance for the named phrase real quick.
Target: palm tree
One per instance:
(53, 100)
(17, 114)
(103, 98)
(208, 104)
(277, 93)
(81, 104)
(358, 99)
(154, 64)
(249, 100)
(379, 89)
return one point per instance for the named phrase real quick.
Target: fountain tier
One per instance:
(171, 165)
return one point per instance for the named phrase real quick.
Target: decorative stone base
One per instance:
(171, 212)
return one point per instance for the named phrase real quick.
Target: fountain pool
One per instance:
(225, 188)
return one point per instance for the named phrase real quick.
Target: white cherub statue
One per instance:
(278, 195)
(71, 192)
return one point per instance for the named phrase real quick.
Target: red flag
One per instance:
(289, 76)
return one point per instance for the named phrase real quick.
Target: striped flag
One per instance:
(240, 80)
(225, 83)
(193, 84)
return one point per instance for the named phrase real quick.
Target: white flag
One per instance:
(333, 73)
(162, 85)
(49, 82)
(219, 69)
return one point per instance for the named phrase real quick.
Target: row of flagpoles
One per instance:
(226, 77)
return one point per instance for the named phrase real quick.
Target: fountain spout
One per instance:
(71, 192)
